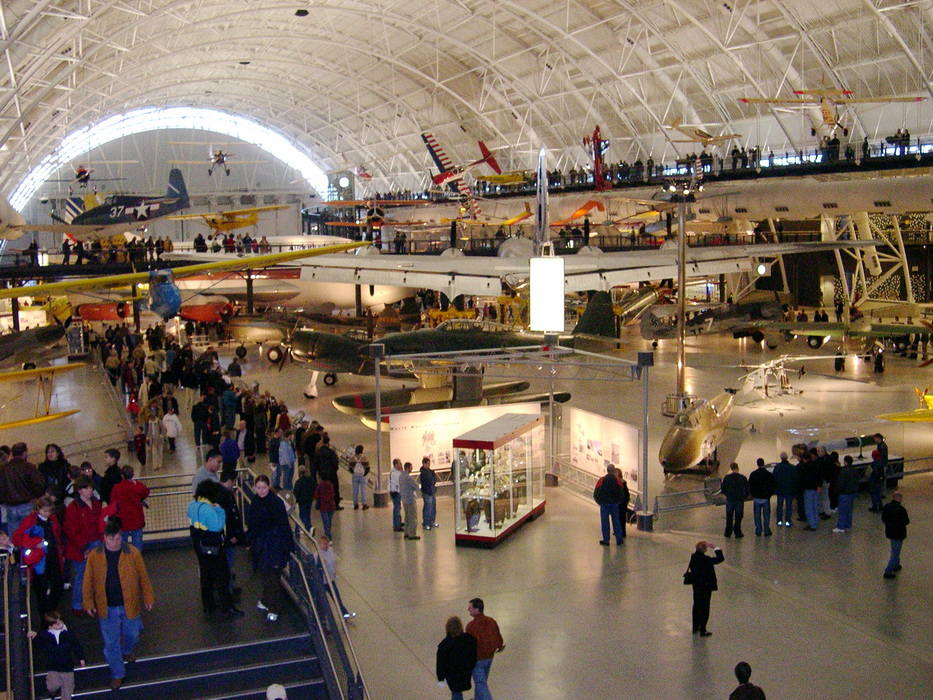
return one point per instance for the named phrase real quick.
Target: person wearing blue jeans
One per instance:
(811, 482)
(847, 484)
(895, 519)
(428, 494)
(761, 486)
(117, 607)
(488, 642)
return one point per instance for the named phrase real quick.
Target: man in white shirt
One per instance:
(394, 483)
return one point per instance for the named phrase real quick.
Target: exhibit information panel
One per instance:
(430, 433)
(597, 441)
(498, 475)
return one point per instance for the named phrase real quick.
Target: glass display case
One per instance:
(498, 475)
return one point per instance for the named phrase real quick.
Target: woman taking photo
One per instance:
(270, 538)
(703, 572)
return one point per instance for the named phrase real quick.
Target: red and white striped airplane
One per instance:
(452, 175)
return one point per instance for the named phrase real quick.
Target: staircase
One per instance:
(242, 671)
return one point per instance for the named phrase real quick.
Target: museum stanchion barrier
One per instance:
(498, 478)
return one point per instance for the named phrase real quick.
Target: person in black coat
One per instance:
(702, 568)
(895, 519)
(456, 657)
(270, 537)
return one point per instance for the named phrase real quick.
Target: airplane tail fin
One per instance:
(652, 327)
(489, 158)
(176, 187)
(598, 319)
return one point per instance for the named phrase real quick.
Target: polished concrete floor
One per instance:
(809, 611)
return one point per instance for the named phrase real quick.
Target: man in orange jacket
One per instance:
(117, 604)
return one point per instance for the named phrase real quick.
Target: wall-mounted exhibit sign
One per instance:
(431, 433)
(596, 441)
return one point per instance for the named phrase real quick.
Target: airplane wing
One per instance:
(226, 214)
(81, 232)
(44, 372)
(780, 100)
(921, 415)
(582, 211)
(869, 100)
(456, 275)
(234, 263)
(44, 378)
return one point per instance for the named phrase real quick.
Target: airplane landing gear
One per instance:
(330, 378)
(310, 391)
(240, 352)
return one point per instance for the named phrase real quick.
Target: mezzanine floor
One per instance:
(809, 611)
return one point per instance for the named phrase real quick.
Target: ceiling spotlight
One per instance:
(301, 13)
(244, 63)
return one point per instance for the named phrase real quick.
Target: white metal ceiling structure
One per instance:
(356, 83)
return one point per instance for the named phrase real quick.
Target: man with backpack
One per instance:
(610, 492)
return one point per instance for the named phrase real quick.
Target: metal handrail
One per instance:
(32, 661)
(300, 530)
(6, 615)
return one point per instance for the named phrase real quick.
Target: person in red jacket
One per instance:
(39, 537)
(83, 526)
(127, 501)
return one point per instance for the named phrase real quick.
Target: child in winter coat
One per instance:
(61, 649)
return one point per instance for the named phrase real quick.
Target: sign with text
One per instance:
(413, 436)
(596, 441)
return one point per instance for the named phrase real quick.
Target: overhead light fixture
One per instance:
(547, 294)
(244, 63)
(301, 13)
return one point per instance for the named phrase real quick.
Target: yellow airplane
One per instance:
(527, 214)
(917, 416)
(827, 99)
(225, 221)
(696, 135)
(164, 295)
(45, 379)
(513, 177)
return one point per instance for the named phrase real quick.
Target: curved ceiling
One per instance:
(356, 83)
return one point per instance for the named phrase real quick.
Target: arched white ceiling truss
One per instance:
(356, 83)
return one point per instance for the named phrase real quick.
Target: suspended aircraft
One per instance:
(510, 177)
(511, 221)
(695, 433)
(226, 221)
(741, 319)
(44, 379)
(920, 415)
(119, 213)
(695, 134)
(31, 346)
(82, 175)
(817, 333)
(452, 175)
(828, 100)
(164, 295)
